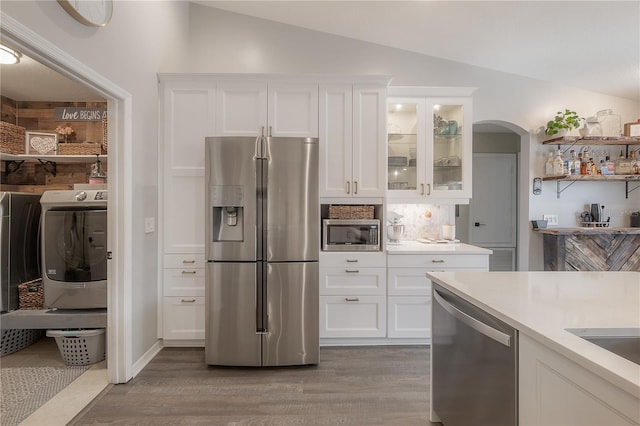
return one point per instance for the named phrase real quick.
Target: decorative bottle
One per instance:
(574, 165)
(548, 165)
(635, 164)
(558, 164)
(584, 163)
(623, 165)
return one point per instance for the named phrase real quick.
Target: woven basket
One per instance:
(79, 149)
(12, 138)
(31, 295)
(351, 212)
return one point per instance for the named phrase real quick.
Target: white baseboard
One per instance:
(382, 341)
(194, 343)
(146, 358)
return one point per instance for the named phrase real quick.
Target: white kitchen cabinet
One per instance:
(352, 135)
(188, 116)
(553, 390)
(183, 319)
(352, 316)
(251, 107)
(409, 289)
(429, 145)
(352, 295)
(183, 297)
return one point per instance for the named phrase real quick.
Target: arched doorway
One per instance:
(501, 155)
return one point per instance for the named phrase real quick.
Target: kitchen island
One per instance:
(563, 378)
(591, 249)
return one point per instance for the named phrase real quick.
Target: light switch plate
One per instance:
(552, 219)
(149, 225)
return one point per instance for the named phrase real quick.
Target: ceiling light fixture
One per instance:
(8, 56)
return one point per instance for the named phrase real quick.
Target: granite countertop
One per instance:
(416, 247)
(587, 230)
(543, 304)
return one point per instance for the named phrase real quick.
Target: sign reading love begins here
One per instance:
(79, 113)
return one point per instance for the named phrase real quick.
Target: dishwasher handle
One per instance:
(477, 325)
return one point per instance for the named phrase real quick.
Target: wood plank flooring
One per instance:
(350, 386)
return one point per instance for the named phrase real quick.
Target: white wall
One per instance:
(142, 39)
(221, 41)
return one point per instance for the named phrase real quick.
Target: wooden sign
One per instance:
(80, 113)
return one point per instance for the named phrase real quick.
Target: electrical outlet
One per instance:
(552, 219)
(149, 225)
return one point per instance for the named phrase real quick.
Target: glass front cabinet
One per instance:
(429, 148)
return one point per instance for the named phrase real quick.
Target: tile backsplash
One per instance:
(423, 220)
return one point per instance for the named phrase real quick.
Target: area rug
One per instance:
(25, 389)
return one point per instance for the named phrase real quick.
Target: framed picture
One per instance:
(39, 143)
(632, 129)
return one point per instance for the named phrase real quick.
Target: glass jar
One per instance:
(610, 122)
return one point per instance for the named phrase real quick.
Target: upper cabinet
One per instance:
(352, 135)
(255, 107)
(429, 145)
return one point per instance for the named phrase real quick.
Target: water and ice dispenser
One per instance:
(227, 213)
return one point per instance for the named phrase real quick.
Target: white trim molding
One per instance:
(120, 203)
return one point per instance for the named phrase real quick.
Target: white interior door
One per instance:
(493, 208)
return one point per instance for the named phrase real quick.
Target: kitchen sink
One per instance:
(624, 342)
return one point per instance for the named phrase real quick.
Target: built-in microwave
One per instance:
(351, 235)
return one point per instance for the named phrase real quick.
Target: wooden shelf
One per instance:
(592, 178)
(593, 140)
(53, 158)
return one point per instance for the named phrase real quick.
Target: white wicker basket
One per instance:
(80, 347)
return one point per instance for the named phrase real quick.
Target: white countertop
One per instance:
(543, 304)
(416, 247)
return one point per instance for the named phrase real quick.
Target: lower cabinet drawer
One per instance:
(409, 317)
(183, 282)
(183, 318)
(408, 281)
(347, 281)
(353, 316)
(438, 262)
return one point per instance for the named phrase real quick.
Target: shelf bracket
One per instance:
(560, 191)
(12, 166)
(49, 166)
(629, 191)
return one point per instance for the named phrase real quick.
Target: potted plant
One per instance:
(562, 123)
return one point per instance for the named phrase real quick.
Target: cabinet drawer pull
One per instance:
(189, 272)
(437, 261)
(352, 299)
(355, 185)
(352, 260)
(189, 261)
(188, 300)
(348, 187)
(352, 271)
(422, 191)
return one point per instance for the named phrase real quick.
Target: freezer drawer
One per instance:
(230, 322)
(292, 314)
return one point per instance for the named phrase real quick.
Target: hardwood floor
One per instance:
(350, 386)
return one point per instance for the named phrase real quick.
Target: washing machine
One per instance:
(74, 249)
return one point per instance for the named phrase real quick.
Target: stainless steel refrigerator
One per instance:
(262, 245)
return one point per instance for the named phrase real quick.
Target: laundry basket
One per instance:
(80, 347)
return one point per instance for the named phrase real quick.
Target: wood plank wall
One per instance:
(597, 252)
(40, 116)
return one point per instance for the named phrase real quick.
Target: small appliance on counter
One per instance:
(635, 220)
(395, 230)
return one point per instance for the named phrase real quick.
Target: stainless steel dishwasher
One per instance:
(474, 364)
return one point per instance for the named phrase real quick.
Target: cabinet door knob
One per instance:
(352, 299)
